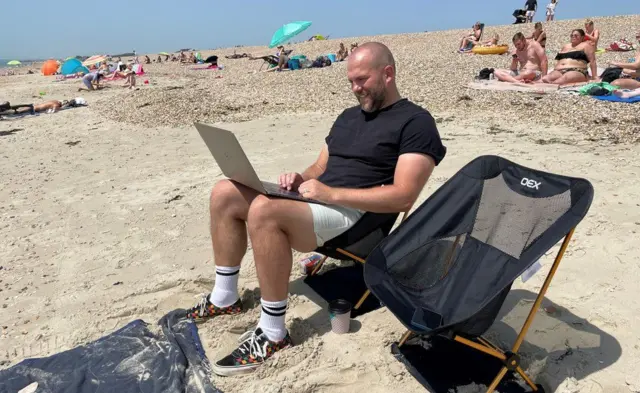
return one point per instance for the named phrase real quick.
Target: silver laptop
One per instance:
(235, 165)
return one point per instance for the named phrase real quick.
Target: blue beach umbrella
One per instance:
(287, 32)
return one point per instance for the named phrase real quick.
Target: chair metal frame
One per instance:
(510, 359)
(355, 258)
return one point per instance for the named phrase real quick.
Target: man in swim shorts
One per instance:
(531, 58)
(531, 6)
(377, 158)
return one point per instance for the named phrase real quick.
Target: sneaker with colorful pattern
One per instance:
(254, 349)
(205, 310)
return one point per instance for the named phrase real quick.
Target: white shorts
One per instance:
(330, 221)
(530, 14)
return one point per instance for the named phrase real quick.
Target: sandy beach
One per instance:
(104, 216)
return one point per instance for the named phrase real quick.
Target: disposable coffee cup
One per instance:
(340, 316)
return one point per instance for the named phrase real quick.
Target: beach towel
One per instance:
(538, 88)
(613, 98)
(131, 360)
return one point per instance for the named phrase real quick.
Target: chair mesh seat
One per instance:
(452, 263)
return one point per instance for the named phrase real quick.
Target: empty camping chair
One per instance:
(356, 243)
(448, 268)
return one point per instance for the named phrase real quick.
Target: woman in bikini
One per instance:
(630, 75)
(592, 35)
(468, 41)
(539, 35)
(573, 61)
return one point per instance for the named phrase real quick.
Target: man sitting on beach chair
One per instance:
(378, 157)
(532, 60)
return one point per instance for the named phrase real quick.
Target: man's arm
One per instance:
(411, 174)
(318, 167)
(514, 62)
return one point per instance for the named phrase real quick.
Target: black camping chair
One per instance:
(447, 270)
(356, 243)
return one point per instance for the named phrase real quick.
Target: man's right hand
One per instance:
(290, 181)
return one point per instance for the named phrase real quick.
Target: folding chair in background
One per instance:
(447, 270)
(356, 243)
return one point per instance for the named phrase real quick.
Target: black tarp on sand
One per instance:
(131, 359)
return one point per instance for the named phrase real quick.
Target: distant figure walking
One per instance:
(531, 6)
(551, 10)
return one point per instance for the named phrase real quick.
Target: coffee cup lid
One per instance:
(339, 306)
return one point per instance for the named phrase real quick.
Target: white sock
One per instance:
(225, 289)
(272, 319)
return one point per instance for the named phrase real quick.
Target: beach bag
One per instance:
(610, 74)
(485, 74)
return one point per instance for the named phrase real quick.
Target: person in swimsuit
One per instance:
(551, 10)
(573, 61)
(538, 35)
(630, 76)
(468, 41)
(592, 35)
(47, 106)
(531, 58)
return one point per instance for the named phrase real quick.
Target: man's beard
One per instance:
(371, 101)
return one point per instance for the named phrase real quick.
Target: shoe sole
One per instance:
(231, 371)
(203, 320)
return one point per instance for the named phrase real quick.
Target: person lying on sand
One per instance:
(592, 35)
(627, 94)
(384, 141)
(630, 75)
(538, 35)
(237, 56)
(51, 106)
(468, 41)
(572, 62)
(91, 81)
(531, 58)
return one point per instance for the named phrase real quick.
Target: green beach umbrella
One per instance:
(287, 32)
(14, 62)
(163, 53)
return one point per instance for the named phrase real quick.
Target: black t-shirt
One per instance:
(531, 5)
(364, 147)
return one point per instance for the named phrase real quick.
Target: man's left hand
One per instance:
(313, 189)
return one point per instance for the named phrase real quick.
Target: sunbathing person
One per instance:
(343, 53)
(354, 46)
(627, 94)
(538, 35)
(51, 106)
(147, 59)
(385, 141)
(630, 75)
(159, 59)
(281, 58)
(492, 42)
(572, 62)
(531, 58)
(592, 35)
(468, 41)
(236, 56)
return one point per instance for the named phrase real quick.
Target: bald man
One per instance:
(384, 141)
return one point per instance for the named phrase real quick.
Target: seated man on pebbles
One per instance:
(384, 141)
(532, 60)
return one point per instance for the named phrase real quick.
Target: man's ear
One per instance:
(389, 72)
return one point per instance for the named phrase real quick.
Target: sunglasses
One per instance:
(574, 35)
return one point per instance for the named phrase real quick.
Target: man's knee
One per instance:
(262, 213)
(226, 198)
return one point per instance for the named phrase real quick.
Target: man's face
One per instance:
(369, 84)
(520, 44)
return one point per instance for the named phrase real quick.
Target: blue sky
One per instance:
(45, 28)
